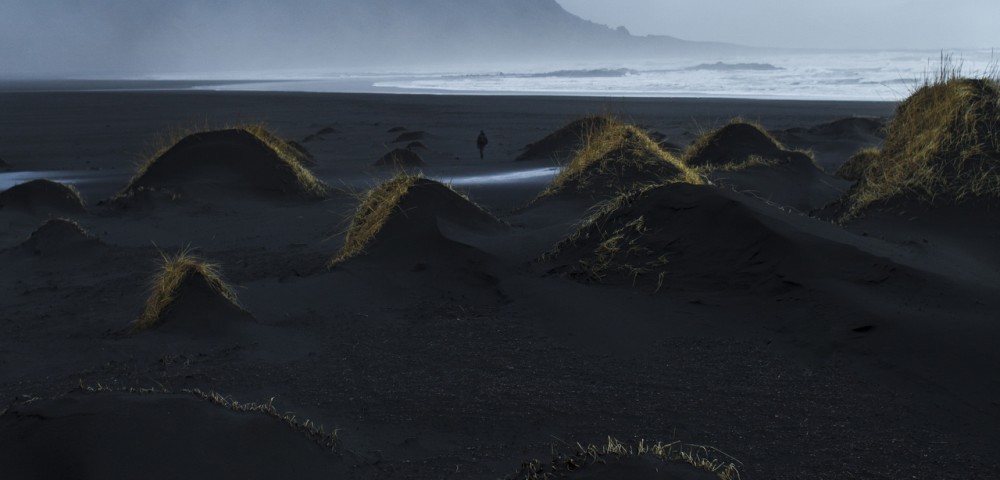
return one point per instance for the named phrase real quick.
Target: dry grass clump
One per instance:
(175, 270)
(736, 146)
(620, 250)
(855, 166)
(943, 143)
(291, 158)
(374, 210)
(617, 157)
(699, 456)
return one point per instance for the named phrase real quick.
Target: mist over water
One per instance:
(868, 76)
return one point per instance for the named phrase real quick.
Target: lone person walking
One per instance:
(481, 143)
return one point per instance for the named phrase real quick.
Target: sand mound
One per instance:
(415, 145)
(42, 196)
(738, 145)
(616, 158)
(852, 127)
(4, 166)
(240, 159)
(400, 158)
(189, 296)
(396, 130)
(675, 236)
(403, 215)
(327, 131)
(562, 144)
(59, 236)
(411, 136)
(91, 436)
(942, 145)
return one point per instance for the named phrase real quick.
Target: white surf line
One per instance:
(499, 178)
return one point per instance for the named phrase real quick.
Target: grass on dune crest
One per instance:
(293, 158)
(176, 269)
(619, 250)
(854, 167)
(738, 145)
(374, 209)
(942, 144)
(613, 150)
(580, 456)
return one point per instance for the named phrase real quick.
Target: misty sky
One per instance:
(916, 24)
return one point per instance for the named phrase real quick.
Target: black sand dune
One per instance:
(683, 237)
(396, 129)
(4, 166)
(42, 197)
(411, 136)
(833, 142)
(942, 147)
(747, 159)
(327, 131)
(60, 237)
(304, 154)
(156, 436)
(562, 144)
(617, 158)
(738, 143)
(404, 216)
(400, 157)
(190, 298)
(416, 145)
(442, 350)
(234, 160)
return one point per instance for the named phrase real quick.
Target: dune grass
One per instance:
(942, 144)
(374, 209)
(854, 167)
(173, 272)
(620, 250)
(710, 140)
(293, 158)
(613, 150)
(705, 458)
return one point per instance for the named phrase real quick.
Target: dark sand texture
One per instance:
(155, 436)
(456, 341)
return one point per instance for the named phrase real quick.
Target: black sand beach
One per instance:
(461, 343)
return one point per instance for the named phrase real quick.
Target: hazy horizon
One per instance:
(846, 24)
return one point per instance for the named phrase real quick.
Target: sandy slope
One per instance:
(460, 354)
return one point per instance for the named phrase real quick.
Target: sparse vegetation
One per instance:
(736, 146)
(374, 209)
(942, 144)
(176, 269)
(43, 193)
(616, 157)
(580, 456)
(621, 250)
(314, 432)
(290, 158)
(855, 166)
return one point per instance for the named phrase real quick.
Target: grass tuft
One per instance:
(580, 456)
(375, 208)
(176, 269)
(292, 158)
(942, 144)
(615, 157)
